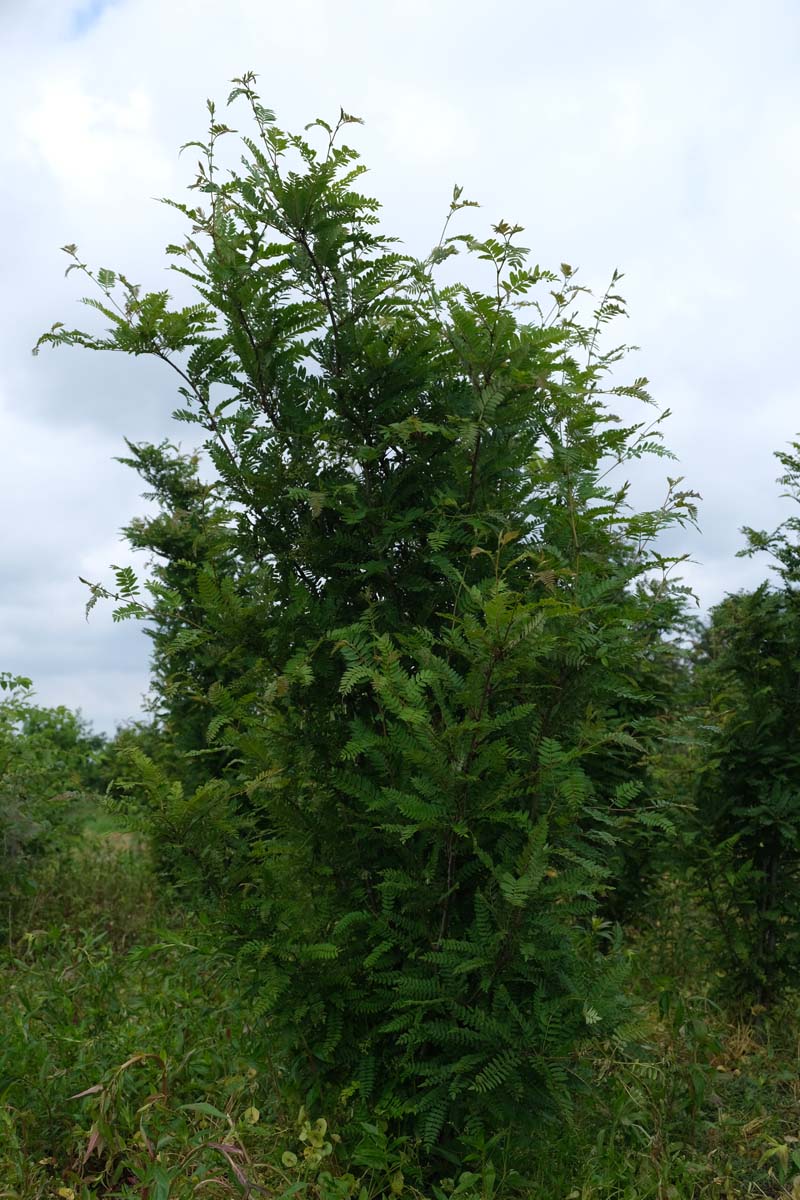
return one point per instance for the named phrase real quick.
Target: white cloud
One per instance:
(92, 146)
(643, 134)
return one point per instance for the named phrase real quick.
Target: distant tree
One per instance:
(748, 791)
(49, 760)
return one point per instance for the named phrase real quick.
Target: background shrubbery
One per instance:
(49, 765)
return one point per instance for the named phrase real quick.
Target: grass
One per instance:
(99, 993)
(129, 1067)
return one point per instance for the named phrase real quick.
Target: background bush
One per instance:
(747, 819)
(49, 761)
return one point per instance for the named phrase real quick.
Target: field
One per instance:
(128, 1068)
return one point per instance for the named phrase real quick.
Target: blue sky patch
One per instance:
(88, 15)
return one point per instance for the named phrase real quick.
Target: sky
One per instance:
(659, 138)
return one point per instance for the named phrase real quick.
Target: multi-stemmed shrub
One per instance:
(407, 608)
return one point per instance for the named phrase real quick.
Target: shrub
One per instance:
(48, 763)
(747, 835)
(747, 819)
(414, 633)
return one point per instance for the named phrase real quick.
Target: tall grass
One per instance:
(129, 1067)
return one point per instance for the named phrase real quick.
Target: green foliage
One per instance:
(747, 836)
(48, 764)
(783, 543)
(647, 778)
(748, 817)
(410, 611)
(128, 1061)
(191, 549)
(113, 1029)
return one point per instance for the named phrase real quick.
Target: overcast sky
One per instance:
(662, 138)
